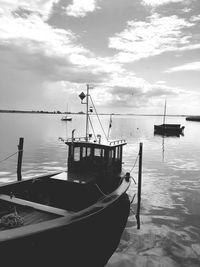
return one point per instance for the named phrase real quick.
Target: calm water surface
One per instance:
(170, 214)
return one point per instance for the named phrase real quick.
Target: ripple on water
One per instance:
(157, 246)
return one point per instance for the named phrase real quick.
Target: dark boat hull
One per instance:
(168, 129)
(66, 119)
(193, 118)
(88, 242)
(68, 231)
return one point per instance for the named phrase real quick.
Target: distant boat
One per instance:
(168, 129)
(66, 117)
(193, 118)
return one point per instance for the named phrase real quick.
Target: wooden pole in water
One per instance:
(19, 162)
(139, 186)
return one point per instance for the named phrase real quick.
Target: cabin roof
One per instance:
(90, 143)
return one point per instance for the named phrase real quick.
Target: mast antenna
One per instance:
(82, 96)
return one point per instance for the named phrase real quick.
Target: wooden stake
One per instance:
(139, 186)
(19, 162)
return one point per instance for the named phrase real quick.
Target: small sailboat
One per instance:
(66, 117)
(168, 129)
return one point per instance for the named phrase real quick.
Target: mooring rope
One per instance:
(134, 163)
(100, 190)
(133, 198)
(10, 156)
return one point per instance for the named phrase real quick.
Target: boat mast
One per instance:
(87, 115)
(164, 113)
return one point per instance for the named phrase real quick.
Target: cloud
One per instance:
(142, 39)
(38, 57)
(125, 90)
(155, 3)
(81, 8)
(41, 7)
(32, 39)
(33, 34)
(195, 18)
(193, 66)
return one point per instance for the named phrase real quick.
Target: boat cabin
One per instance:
(103, 160)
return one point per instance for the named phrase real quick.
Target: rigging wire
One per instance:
(92, 128)
(98, 118)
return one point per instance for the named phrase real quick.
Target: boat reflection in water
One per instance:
(74, 218)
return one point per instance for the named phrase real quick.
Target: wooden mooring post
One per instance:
(139, 186)
(19, 162)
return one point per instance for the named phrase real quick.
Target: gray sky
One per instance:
(135, 54)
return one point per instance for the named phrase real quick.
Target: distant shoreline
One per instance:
(82, 113)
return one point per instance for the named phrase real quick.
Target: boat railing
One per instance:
(75, 139)
(83, 139)
(117, 142)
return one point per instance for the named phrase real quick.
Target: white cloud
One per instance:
(194, 66)
(161, 82)
(144, 39)
(160, 2)
(195, 18)
(186, 10)
(42, 7)
(34, 35)
(81, 8)
(125, 90)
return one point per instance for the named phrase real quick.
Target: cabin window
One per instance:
(83, 152)
(76, 153)
(110, 154)
(97, 152)
(118, 152)
(88, 151)
(113, 153)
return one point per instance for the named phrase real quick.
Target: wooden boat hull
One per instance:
(84, 238)
(84, 243)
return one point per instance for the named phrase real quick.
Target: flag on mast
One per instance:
(110, 125)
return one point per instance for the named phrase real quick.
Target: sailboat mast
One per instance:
(87, 116)
(164, 113)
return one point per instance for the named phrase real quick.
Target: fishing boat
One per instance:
(73, 218)
(168, 129)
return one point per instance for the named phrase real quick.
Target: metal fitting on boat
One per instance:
(127, 176)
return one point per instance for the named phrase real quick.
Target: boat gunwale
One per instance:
(72, 217)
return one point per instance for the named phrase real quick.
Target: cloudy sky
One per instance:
(133, 53)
